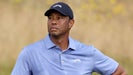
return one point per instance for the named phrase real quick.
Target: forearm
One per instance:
(119, 71)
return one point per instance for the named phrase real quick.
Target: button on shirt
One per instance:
(45, 58)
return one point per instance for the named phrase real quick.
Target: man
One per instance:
(59, 54)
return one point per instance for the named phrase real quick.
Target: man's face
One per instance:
(58, 24)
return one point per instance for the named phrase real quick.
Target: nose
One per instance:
(53, 21)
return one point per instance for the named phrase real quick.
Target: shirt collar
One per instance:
(72, 44)
(49, 44)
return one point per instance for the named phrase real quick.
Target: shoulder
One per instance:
(80, 45)
(32, 48)
(36, 45)
(84, 48)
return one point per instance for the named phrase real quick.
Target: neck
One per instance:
(61, 41)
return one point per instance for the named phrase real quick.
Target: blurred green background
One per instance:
(106, 24)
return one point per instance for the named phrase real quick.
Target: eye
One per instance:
(49, 17)
(60, 17)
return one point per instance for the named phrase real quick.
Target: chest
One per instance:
(55, 63)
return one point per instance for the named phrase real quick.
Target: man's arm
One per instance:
(21, 67)
(119, 71)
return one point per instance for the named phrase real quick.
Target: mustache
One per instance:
(53, 27)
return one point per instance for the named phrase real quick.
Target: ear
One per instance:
(71, 23)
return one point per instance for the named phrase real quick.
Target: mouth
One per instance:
(53, 28)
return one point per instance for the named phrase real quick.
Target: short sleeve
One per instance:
(104, 64)
(21, 67)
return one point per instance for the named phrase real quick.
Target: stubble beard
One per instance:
(58, 34)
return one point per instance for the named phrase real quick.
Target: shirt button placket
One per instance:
(62, 62)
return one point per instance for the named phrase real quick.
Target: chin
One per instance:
(54, 34)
